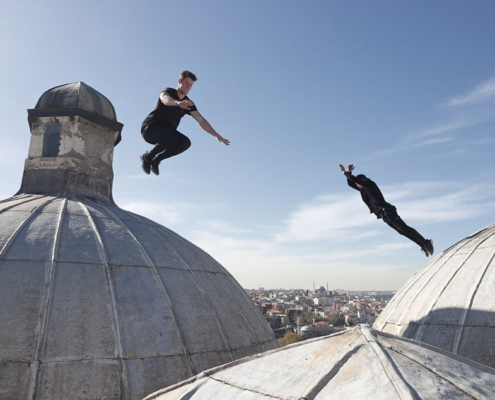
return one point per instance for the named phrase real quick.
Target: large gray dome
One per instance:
(450, 302)
(95, 297)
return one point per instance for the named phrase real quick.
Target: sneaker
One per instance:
(145, 163)
(154, 166)
(425, 250)
(429, 246)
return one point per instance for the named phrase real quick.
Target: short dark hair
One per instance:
(187, 74)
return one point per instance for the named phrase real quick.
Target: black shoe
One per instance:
(145, 163)
(425, 250)
(154, 166)
(429, 246)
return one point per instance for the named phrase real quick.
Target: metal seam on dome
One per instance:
(198, 284)
(240, 361)
(21, 225)
(13, 198)
(396, 300)
(427, 366)
(229, 276)
(440, 265)
(162, 287)
(403, 389)
(111, 291)
(257, 313)
(46, 307)
(336, 363)
(468, 308)
(422, 322)
(384, 316)
(241, 314)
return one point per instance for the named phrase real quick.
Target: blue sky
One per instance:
(403, 90)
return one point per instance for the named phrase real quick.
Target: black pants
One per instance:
(392, 219)
(168, 141)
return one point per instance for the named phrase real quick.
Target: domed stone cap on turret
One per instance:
(450, 302)
(65, 100)
(354, 364)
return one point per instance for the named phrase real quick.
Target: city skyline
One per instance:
(404, 91)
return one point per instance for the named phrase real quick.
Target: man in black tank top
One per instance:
(373, 197)
(160, 126)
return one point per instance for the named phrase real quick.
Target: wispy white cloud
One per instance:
(482, 93)
(463, 112)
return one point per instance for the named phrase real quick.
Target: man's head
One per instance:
(359, 180)
(186, 81)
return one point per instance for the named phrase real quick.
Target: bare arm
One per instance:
(170, 102)
(208, 128)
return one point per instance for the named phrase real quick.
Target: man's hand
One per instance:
(222, 140)
(342, 168)
(350, 167)
(185, 104)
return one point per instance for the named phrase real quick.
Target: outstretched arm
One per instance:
(348, 175)
(208, 128)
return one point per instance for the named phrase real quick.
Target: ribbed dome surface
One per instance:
(357, 364)
(98, 302)
(77, 95)
(450, 302)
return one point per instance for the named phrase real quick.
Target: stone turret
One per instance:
(74, 129)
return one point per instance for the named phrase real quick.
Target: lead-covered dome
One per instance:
(355, 364)
(100, 299)
(450, 302)
(77, 95)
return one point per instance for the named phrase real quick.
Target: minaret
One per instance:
(74, 129)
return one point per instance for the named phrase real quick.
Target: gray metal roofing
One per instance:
(77, 95)
(450, 302)
(354, 364)
(111, 301)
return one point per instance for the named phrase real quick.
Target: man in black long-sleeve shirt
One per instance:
(373, 197)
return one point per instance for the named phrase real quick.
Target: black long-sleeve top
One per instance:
(370, 194)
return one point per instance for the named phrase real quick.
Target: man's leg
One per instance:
(396, 222)
(164, 137)
(168, 143)
(181, 144)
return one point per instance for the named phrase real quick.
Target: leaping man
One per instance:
(160, 126)
(373, 197)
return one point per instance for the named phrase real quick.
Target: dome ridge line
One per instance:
(17, 204)
(240, 313)
(401, 386)
(466, 311)
(124, 383)
(420, 332)
(439, 267)
(14, 234)
(442, 373)
(162, 288)
(239, 361)
(40, 346)
(195, 280)
(335, 364)
(396, 300)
